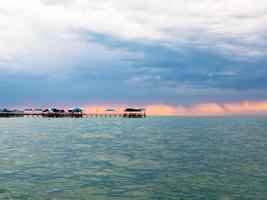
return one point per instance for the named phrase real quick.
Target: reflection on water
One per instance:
(152, 158)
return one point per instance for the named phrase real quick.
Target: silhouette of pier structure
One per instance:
(72, 113)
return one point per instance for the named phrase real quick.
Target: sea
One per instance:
(161, 158)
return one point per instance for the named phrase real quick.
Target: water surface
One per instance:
(152, 158)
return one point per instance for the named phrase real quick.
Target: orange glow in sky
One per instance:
(205, 109)
(210, 109)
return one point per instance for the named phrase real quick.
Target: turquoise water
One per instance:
(153, 158)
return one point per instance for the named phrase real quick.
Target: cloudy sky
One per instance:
(175, 55)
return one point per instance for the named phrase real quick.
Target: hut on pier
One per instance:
(5, 112)
(134, 113)
(76, 112)
(53, 112)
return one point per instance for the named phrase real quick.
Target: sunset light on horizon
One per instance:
(210, 109)
(204, 109)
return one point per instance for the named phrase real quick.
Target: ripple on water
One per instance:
(152, 158)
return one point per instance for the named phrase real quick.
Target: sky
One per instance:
(175, 57)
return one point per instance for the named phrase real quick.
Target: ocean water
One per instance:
(115, 158)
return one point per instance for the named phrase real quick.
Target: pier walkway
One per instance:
(73, 115)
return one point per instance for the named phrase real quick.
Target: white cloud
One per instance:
(46, 32)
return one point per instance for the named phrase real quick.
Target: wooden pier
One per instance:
(74, 115)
